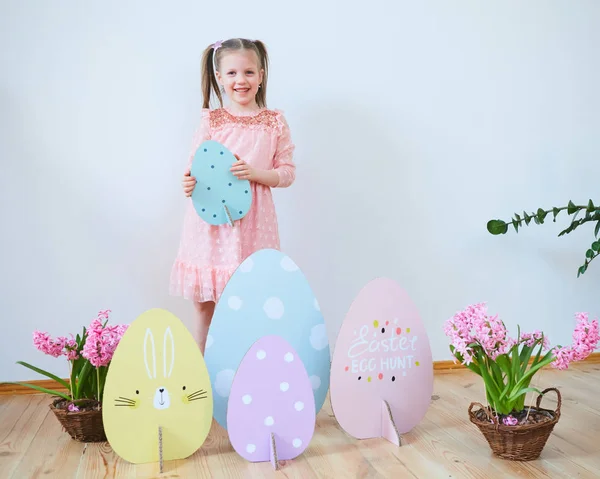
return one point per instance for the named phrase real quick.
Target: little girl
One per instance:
(260, 139)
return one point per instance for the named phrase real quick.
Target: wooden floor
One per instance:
(444, 445)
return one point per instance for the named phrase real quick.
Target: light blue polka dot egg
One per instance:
(266, 295)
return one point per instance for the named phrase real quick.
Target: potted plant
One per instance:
(591, 213)
(79, 410)
(507, 366)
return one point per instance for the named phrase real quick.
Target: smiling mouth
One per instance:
(241, 90)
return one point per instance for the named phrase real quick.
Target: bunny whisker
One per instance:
(196, 398)
(125, 401)
(126, 405)
(121, 398)
(197, 393)
(192, 396)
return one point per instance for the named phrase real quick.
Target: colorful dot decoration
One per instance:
(375, 323)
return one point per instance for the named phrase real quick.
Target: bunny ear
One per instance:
(150, 337)
(171, 344)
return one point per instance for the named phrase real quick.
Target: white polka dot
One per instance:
(297, 443)
(288, 264)
(273, 308)
(234, 302)
(316, 305)
(209, 341)
(269, 421)
(250, 448)
(261, 354)
(289, 357)
(223, 382)
(247, 399)
(315, 382)
(318, 337)
(284, 386)
(299, 405)
(247, 265)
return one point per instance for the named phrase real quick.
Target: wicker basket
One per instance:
(516, 443)
(83, 426)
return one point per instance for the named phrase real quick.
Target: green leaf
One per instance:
(591, 206)
(62, 382)
(596, 245)
(82, 378)
(527, 217)
(541, 214)
(515, 395)
(571, 208)
(497, 227)
(555, 211)
(582, 269)
(43, 390)
(597, 229)
(589, 253)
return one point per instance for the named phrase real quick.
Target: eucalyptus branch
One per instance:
(591, 214)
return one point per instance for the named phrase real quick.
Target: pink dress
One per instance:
(208, 255)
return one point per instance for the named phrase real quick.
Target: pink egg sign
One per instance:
(382, 368)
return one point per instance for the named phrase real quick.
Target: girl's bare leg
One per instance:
(204, 314)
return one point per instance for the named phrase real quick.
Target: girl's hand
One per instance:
(188, 183)
(243, 170)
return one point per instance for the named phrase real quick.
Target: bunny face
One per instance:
(157, 378)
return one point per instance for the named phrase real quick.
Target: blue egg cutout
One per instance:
(267, 295)
(217, 187)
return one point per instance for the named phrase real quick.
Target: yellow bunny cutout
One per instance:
(157, 378)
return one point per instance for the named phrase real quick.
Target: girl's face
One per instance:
(240, 76)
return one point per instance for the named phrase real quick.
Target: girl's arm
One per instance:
(283, 173)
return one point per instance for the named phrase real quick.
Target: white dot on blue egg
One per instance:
(315, 382)
(261, 354)
(287, 264)
(274, 308)
(223, 382)
(234, 302)
(246, 265)
(318, 337)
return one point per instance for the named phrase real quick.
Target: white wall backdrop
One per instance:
(415, 123)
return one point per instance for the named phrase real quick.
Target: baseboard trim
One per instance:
(445, 366)
(16, 390)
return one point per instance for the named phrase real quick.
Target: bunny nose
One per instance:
(161, 390)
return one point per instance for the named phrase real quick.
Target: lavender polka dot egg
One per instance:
(270, 393)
